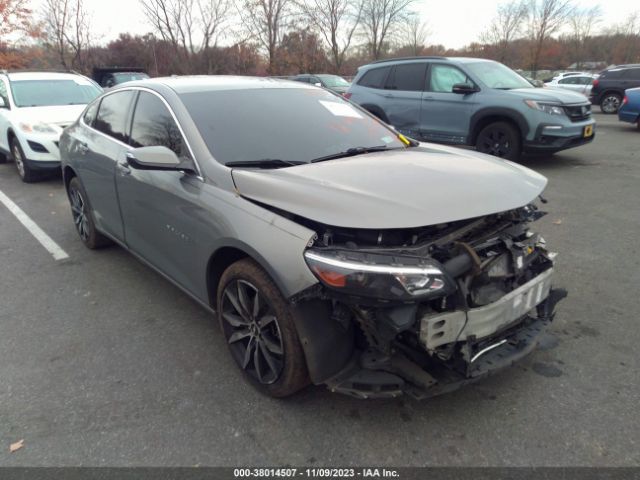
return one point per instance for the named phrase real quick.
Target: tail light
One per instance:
(625, 100)
(347, 95)
(595, 82)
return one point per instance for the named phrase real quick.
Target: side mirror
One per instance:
(3, 103)
(464, 88)
(154, 158)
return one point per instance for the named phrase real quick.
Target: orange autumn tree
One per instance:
(14, 17)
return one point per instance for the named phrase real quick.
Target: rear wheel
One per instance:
(26, 173)
(499, 139)
(83, 217)
(260, 332)
(610, 103)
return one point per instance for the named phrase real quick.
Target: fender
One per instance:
(375, 110)
(518, 118)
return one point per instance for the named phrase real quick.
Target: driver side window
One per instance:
(153, 125)
(444, 77)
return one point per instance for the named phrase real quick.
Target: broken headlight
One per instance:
(380, 276)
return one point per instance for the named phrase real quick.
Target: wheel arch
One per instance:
(67, 174)
(485, 117)
(375, 110)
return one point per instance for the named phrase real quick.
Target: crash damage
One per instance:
(425, 310)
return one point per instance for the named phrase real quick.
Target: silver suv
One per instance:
(471, 101)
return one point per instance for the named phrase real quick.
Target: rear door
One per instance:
(96, 151)
(160, 208)
(631, 78)
(445, 116)
(404, 88)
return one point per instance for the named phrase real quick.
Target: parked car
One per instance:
(470, 101)
(35, 107)
(630, 109)
(576, 83)
(332, 249)
(563, 75)
(608, 89)
(332, 82)
(108, 77)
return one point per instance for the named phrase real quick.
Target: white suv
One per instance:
(34, 109)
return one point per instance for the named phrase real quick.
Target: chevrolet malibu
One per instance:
(332, 249)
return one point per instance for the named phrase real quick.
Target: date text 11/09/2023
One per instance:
(315, 472)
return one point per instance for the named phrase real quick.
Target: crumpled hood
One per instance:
(60, 116)
(409, 188)
(548, 95)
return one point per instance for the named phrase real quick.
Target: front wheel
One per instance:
(610, 103)
(259, 329)
(26, 173)
(499, 139)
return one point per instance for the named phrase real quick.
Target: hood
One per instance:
(416, 187)
(60, 116)
(548, 95)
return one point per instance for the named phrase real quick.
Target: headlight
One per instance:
(36, 127)
(380, 276)
(550, 108)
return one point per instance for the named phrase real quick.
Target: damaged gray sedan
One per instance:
(332, 249)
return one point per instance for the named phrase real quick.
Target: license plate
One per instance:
(588, 131)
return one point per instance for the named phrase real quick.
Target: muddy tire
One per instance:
(83, 217)
(260, 331)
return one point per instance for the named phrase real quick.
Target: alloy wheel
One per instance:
(79, 213)
(495, 142)
(17, 158)
(610, 104)
(252, 331)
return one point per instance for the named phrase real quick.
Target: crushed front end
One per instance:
(425, 310)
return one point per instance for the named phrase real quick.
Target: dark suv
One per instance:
(608, 89)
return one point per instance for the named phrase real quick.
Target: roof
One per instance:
(205, 83)
(15, 76)
(409, 59)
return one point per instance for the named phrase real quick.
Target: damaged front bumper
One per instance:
(404, 371)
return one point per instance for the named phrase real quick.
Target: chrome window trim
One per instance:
(166, 104)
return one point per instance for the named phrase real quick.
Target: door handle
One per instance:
(427, 99)
(123, 167)
(82, 148)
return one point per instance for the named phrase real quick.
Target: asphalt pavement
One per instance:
(105, 363)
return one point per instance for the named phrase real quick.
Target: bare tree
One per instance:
(582, 22)
(380, 21)
(545, 17)
(265, 22)
(505, 27)
(414, 34)
(337, 21)
(67, 28)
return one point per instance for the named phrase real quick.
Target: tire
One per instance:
(83, 217)
(500, 139)
(26, 173)
(262, 336)
(610, 103)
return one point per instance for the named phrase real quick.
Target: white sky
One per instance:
(452, 23)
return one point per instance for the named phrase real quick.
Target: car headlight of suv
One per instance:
(36, 127)
(550, 108)
(379, 276)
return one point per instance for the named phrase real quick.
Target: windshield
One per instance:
(333, 81)
(497, 75)
(287, 124)
(47, 93)
(129, 77)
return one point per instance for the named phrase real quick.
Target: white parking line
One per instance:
(47, 242)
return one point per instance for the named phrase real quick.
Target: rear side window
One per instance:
(153, 125)
(375, 78)
(112, 115)
(569, 81)
(408, 77)
(444, 77)
(632, 73)
(612, 74)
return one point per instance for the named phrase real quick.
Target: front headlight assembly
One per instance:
(379, 276)
(550, 108)
(36, 127)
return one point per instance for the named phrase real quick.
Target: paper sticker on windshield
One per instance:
(341, 109)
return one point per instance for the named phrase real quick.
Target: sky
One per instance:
(452, 23)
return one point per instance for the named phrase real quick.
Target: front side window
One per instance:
(48, 93)
(288, 124)
(408, 77)
(113, 113)
(496, 75)
(153, 125)
(444, 77)
(90, 113)
(375, 78)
